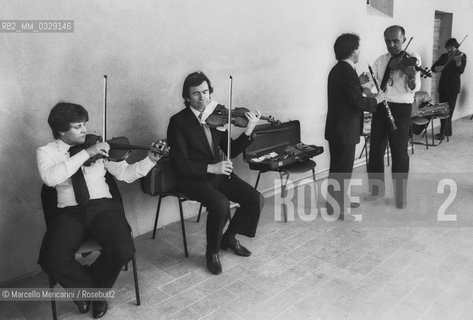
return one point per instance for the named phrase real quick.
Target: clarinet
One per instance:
(392, 124)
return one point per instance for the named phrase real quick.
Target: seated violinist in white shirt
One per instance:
(84, 208)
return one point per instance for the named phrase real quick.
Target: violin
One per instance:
(220, 115)
(405, 60)
(120, 148)
(456, 55)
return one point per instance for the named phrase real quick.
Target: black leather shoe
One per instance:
(439, 136)
(213, 263)
(83, 306)
(354, 205)
(346, 217)
(401, 204)
(99, 309)
(236, 247)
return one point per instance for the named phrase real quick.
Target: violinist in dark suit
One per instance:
(451, 65)
(346, 103)
(204, 174)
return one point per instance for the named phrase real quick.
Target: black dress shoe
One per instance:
(99, 308)
(439, 136)
(401, 204)
(213, 263)
(83, 306)
(354, 205)
(236, 247)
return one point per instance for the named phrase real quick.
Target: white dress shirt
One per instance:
(398, 91)
(56, 168)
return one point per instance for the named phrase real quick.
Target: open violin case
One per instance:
(277, 146)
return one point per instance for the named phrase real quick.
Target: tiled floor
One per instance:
(393, 264)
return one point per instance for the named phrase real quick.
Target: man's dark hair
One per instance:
(345, 45)
(63, 114)
(396, 27)
(193, 80)
(452, 42)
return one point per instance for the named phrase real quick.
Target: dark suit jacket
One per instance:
(345, 105)
(450, 78)
(190, 150)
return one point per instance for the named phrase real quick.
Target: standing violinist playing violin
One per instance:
(451, 65)
(84, 206)
(205, 175)
(399, 79)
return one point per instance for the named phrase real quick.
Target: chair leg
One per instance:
(157, 216)
(411, 133)
(387, 152)
(315, 180)
(362, 150)
(257, 179)
(433, 142)
(283, 191)
(53, 301)
(183, 228)
(135, 278)
(200, 211)
(426, 136)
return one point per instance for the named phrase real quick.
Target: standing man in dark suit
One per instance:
(204, 174)
(451, 64)
(346, 103)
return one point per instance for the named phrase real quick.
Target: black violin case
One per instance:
(276, 146)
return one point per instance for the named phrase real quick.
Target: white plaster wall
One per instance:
(279, 53)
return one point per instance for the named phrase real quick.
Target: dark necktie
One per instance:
(78, 184)
(208, 134)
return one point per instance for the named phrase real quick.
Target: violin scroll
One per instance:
(160, 148)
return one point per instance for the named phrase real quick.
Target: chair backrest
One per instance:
(49, 197)
(161, 179)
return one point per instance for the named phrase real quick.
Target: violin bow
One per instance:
(104, 123)
(229, 137)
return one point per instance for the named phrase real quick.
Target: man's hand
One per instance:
(367, 92)
(253, 119)
(410, 72)
(364, 78)
(154, 156)
(98, 148)
(223, 167)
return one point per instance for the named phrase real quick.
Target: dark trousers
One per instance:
(215, 193)
(104, 221)
(446, 124)
(398, 143)
(342, 157)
